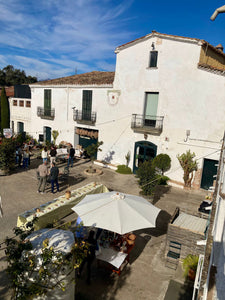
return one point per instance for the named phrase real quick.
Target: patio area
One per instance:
(146, 276)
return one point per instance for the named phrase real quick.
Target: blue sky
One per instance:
(53, 38)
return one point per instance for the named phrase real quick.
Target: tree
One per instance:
(162, 162)
(5, 123)
(55, 134)
(10, 76)
(148, 178)
(92, 150)
(189, 165)
(7, 154)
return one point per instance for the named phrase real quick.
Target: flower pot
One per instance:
(68, 194)
(191, 274)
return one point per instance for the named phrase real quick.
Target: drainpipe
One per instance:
(217, 11)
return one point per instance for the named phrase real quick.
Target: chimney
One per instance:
(219, 47)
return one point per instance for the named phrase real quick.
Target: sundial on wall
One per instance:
(113, 96)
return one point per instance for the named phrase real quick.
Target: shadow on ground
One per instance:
(159, 192)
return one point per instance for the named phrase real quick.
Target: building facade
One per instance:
(166, 96)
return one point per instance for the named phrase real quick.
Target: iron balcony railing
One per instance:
(82, 116)
(147, 123)
(46, 113)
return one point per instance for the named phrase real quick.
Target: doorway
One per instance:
(209, 170)
(47, 134)
(143, 151)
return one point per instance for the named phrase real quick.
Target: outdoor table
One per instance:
(58, 208)
(111, 256)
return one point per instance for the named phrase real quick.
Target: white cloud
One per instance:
(69, 33)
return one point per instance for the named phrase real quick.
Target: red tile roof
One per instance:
(91, 78)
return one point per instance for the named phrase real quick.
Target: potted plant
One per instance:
(190, 264)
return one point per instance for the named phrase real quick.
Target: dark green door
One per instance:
(143, 151)
(48, 134)
(85, 141)
(47, 102)
(86, 105)
(20, 127)
(209, 170)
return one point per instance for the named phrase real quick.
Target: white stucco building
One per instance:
(166, 96)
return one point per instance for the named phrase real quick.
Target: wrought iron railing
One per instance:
(147, 122)
(45, 113)
(83, 116)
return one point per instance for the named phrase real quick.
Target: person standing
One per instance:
(44, 154)
(71, 156)
(25, 158)
(43, 172)
(53, 153)
(54, 173)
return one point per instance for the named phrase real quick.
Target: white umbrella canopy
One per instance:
(120, 213)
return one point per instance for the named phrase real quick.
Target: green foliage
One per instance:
(93, 149)
(127, 157)
(189, 262)
(162, 162)
(31, 275)
(10, 76)
(7, 154)
(123, 169)
(55, 134)
(147, 178)
(5, 118)
(189, 165)
(162, 179)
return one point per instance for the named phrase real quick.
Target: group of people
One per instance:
(43, 173)
(23, 156)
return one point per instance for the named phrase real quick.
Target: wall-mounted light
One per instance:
(153, 46)
(188, 132)
(145, 136)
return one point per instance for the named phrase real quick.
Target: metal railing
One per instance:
(147, 122)
(84, 116)
(45, 113)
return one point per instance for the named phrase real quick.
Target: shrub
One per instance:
(7, 154)
(190, 262)
(123, 169)
(162, 163)
(147, 178)
(162, 180)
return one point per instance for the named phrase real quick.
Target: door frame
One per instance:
(145, 145)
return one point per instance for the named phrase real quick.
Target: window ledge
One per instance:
(152, 68)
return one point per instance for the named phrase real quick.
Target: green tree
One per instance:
(11, 76)
(189, 165)
(148, 178)
(7, 154)
(93, 149)
(5, 121)
(162, 163)
(55, 134)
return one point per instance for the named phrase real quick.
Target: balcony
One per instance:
(147, 124)
(45, 113)
(84, 117)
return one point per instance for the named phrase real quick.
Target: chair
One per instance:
(173, 255)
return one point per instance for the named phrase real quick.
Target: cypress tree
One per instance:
(5, 122)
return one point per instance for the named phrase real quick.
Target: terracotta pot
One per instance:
(68, 194)
(191, 274)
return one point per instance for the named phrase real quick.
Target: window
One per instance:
(151, 107)
(28, 103)
(86, 105)
(14, 102)
(153, 59)
(47, 102)
(21, 103)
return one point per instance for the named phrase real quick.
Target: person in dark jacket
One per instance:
(71, 157)
(52, 153)
(54, 173)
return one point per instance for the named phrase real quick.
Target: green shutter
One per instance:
(87, 105)
(47, 102)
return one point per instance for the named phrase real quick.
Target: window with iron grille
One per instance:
(28, 103)
(14, 102)
(21, 103)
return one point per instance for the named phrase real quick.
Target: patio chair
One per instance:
(173, 255)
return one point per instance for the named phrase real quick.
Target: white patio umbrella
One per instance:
(120, 213)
